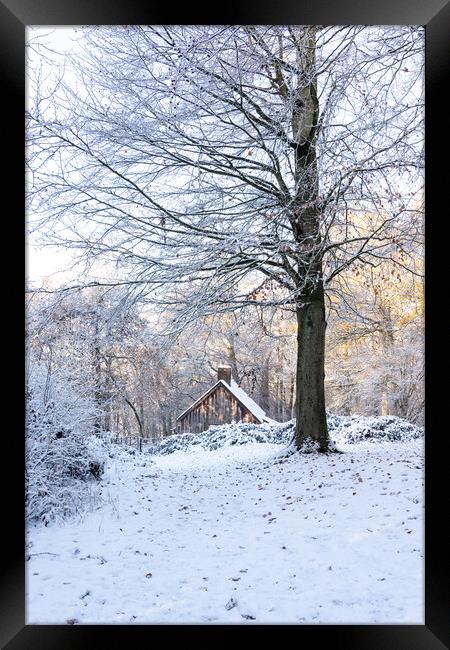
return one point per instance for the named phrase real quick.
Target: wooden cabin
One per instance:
(225, 402)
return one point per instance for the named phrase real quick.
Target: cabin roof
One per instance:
(239, 394)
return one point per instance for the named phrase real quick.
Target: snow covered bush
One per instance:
(352, 429)
(63, 457)
(219, 436)
(343, 430)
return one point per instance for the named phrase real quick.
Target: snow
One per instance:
(236, 534)
(248, 402)
(343, 430)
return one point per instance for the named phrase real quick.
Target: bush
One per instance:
(343, 430)
(63, 457)
(359, 428)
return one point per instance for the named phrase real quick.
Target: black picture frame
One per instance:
(15, 16)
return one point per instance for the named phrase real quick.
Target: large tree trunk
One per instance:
(311, 423)
(310, 403)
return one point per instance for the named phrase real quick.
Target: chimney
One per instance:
(224, 373)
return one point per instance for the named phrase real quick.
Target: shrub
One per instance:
(63, 457)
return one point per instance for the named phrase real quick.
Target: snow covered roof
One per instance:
(240, 395)
(247, 401)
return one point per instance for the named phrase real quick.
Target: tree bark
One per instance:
(310, 403)
(311, 422)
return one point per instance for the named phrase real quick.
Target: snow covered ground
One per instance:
(236, 535)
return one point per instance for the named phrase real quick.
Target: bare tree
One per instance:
(229, 166)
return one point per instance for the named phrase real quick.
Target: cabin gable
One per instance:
(218, 406)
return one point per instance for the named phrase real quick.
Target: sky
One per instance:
(45, 265)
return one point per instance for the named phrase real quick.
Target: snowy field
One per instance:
(237, 535)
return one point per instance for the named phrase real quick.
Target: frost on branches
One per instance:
(63, 458)
(223, 167)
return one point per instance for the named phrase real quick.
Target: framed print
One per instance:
(236, 204)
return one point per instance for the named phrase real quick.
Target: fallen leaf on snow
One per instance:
(231, 603)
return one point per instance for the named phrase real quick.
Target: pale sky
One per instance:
(45, 264)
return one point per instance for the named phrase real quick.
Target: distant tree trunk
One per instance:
(278, 409)
(108, 394)
(141, 415)
(387, 343)
(97, 366)
(265, 386)
(283, 400)
(292, 400)
(231, 357)
(98, 387)
(141, 430)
